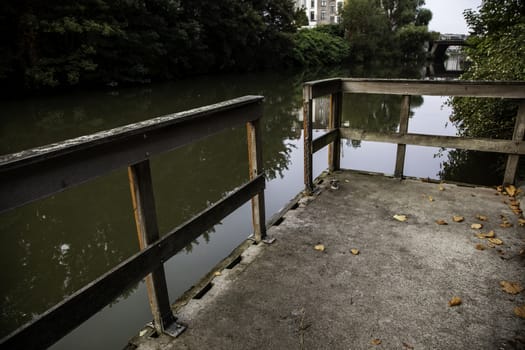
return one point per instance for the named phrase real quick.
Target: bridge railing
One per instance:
(335, 88)
(38, 173)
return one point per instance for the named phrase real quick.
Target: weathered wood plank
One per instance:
(474, 144)
(40, 172)
(519, 132)
(324, 140)
(334, 148)
(148, 233)
(324, 87)
(497, 89)
(52, 325)
(403, 129)
(255, 164)
(307, 138)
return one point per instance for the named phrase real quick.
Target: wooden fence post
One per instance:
(307, 137)
(147, 230)
(334, 148)
(519, 131)
(403, 129)
(255, 162)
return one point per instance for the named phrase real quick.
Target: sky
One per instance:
(447, 15)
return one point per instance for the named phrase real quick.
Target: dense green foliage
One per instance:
(391, 29)
(319, 46)
(496, 52)
(63, 43)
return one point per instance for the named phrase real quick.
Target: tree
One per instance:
(387, 28)
(496, 50)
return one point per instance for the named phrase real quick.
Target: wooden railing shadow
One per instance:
(335, 88)
(41, 172)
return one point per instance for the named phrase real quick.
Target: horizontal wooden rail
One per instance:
(473, 144)
(406, 87)
(324, 140)
(496, 89)
(49, 327)
(43, 171)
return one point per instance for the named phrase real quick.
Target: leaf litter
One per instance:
(511, 287)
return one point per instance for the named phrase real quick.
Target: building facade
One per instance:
(321, 11)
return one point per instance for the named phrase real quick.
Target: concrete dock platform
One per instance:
(394, 294)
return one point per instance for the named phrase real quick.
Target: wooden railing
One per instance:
(41, 172)
(335, 88)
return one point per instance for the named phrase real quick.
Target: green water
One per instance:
(55, 246)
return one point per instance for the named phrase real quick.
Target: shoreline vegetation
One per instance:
(56, 45)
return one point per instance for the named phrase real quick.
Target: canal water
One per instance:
(53, 247)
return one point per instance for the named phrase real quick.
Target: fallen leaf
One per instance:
(499, 188)
(511, 287)
(458, 218)
(521, 222)
(482, 217)
(401, 218)
(480, 246)
(455, 301)
(511, 190)
(441, 188)
(376, 341)
(441, 222)
(347, 181)
(490, 245)
(430, 198)
(520, 311)
(496, 241)
(505, 224)
(354, 251)
(319, 247)
(408, 346)
(491, 234)
(514, 202)
(476, 226)
(217, 273)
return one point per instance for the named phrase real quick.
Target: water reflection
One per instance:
(55, 246)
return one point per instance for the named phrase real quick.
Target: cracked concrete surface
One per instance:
(289, 296)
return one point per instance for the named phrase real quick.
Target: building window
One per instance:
(312, 16)
(332, 19)
(312, 4)
(332, 9)
(323, 15)
(323, 3)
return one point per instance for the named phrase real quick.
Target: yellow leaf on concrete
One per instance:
(376, 341)
(476, 226)
(511, 190)
(458, 218)
(480, 235)
(520, 311)
(430, 198)
(491, 234)
(455, 301)
(480, 246)
(354, 251)
(496, 241)
(319, 247)
(511, 287)
(401, 218)
(482, 217)
(441, 188)
(217, 273)
(505, 224)
(521, 222)
(441, 222)
(499, 188)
